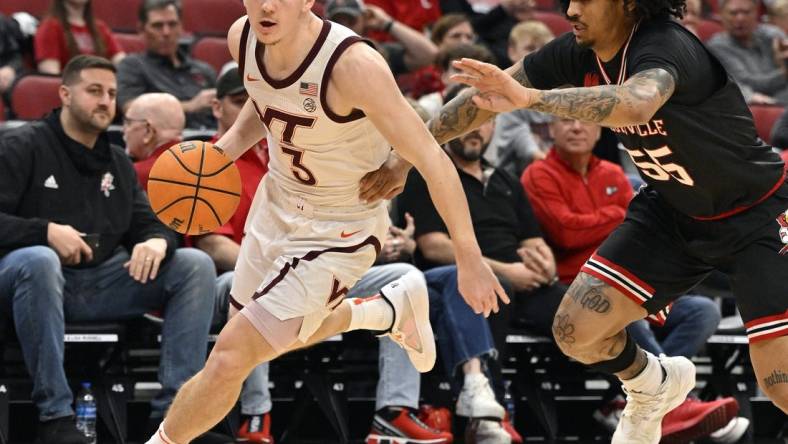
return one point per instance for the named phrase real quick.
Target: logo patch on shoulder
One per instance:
(782, 220)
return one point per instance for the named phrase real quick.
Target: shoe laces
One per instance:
(419, 422)
(642, 406)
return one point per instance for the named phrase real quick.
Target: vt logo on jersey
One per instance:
(782, 219)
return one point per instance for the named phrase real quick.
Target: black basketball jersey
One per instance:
(700, 151)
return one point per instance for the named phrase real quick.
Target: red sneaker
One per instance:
(256, 429)
(507, 425)
(438, 418)
(394, 425)
(695, 419)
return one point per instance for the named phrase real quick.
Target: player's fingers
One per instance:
(466, 79)
(394, 192)
(469, 66)
(375, 184)
(366, 182)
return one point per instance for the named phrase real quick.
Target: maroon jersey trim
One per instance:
(289, 80)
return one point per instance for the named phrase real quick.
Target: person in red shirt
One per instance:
(579, 200)
(69, 30)
(224, 243)
(153, 123)
(577, 197)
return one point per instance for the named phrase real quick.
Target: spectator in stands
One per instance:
(410, 50)
(754, 54)
(452, 29)
(778, 14)
(164, 67)
(692, 15)
(449, 30)
(417, 14)
(153, 123)
(80, 243)
(508, 233)
(14, 32)
(69, 30)
(579, 200)
(432, 102)
(495, 26)
(521, 135)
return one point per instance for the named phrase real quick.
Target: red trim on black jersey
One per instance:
(746, 207)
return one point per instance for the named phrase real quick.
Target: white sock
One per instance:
(160, 437)
(473, 379)
(649, 380)
(372, 313)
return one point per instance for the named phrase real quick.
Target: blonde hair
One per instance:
(779, 8)
(534, 29)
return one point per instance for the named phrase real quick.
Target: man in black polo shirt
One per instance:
(507, 230)
(165, 68)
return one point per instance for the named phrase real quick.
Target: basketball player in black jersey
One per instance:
(716, 195)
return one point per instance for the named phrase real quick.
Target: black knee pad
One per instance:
(621, 362)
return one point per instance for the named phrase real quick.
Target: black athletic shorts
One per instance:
(657, 254)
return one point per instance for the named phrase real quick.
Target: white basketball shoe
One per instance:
(641, 420)
(411, 329)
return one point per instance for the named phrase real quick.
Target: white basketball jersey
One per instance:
(315, 154)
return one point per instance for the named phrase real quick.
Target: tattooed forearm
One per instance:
(631, 103)
(461, 115)
(458, 117)
(776, 377)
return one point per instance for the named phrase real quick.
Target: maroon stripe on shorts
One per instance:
(235, 303)
(314, 254)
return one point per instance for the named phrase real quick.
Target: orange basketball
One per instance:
(194, 188)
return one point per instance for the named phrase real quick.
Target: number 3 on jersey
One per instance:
(291, 123)
(658, 170)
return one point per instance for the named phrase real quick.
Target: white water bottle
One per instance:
(86, 413)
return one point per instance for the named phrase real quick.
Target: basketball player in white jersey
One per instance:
(330, 110)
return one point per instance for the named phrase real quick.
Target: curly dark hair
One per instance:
(649, 9)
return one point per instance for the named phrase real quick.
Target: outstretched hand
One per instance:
(480, 287)
(498, 91)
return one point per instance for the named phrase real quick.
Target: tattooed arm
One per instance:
(632, 103)
(461, 115)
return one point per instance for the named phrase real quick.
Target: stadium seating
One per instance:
(35, 95)
(130, 42)
(209, 17)
(213, 51)
(707, 28)
(557, 23)
(35, 7)
(546, 5)
(123, 19)
(765, 116)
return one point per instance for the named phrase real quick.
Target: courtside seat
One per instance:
(557, 23)
(37, 8)
(707, 29)
(34, 96)
(765, 117)
(93, 352)
(118, 16)
(211, 17)
(213, 51)
(130, 43)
